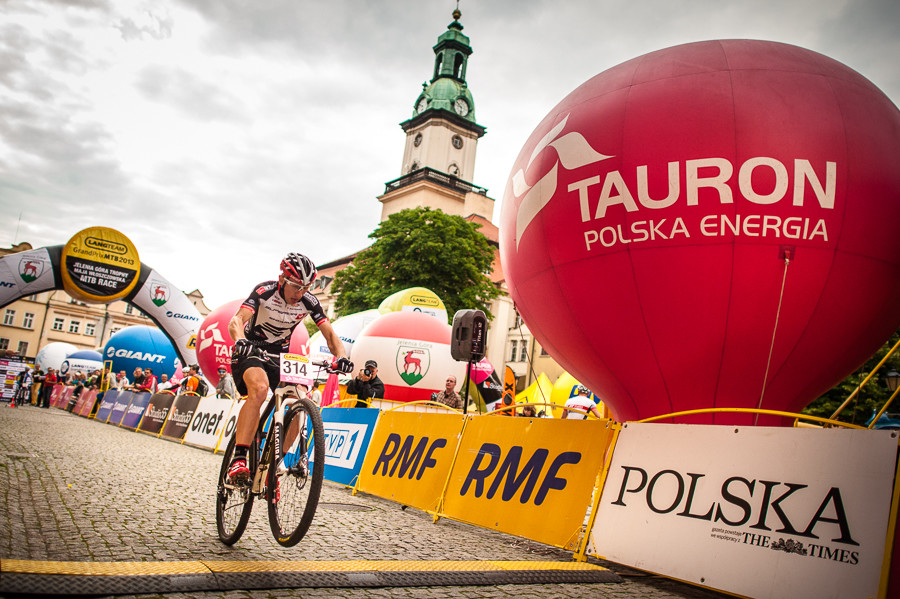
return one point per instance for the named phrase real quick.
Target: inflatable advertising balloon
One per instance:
(141, 346)
(214, 342)
(53, 354)
(413, 354)
(85, 360)
(347, 328)
(711, 225)
(415, 299)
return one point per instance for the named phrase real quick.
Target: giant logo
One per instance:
(699, 226)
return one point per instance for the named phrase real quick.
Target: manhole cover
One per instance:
(346, 507)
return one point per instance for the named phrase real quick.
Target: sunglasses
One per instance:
(297, 286)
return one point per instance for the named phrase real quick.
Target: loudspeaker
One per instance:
(468, 339)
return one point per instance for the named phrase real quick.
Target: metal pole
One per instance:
(860, 386)
(466, 387)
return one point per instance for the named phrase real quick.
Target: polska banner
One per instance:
(755, 511)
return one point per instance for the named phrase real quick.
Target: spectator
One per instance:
(316, 394)
(191, 379)
(226, 387)
(366, 385)
(138, 375)
(583, 402)
(167, 384)
(449, 396)
(148, 385)
(528, 412)
(121, 381)
(47, 387)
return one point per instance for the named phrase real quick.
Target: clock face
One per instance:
(461, 107)
(420, 107)
(417, 140)
(457, 142)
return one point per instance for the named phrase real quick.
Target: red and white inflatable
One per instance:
(412, 350)
(710, 225)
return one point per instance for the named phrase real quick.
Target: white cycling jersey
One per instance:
(274, 320)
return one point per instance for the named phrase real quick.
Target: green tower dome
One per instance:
(448, 89)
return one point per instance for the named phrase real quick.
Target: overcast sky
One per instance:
(218, 135)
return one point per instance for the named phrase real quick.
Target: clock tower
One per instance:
(441, 138)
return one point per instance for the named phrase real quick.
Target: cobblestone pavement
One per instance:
(73, 489)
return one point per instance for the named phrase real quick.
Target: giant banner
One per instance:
(132, 417)
(755, 511)
(528, 477)
(348, 432)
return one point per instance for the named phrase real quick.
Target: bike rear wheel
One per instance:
(295, 482)
(233, 504)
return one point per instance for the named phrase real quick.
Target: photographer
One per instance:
(366, 385)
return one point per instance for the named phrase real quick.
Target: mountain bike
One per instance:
(286, 460)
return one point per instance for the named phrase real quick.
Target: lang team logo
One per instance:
(159, 293)
(412, 363)
(30, 269)
(572, 150)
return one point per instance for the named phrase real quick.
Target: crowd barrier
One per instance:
(753, 511)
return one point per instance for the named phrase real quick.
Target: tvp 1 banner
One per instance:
(182, 413)
(156, 413)
(756, 511)
(208, 423)
(348, 432)
(527, 477)
(410, 456)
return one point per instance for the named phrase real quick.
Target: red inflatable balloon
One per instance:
(710, 225)
(214, 343)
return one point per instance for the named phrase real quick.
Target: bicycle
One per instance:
(290, 481)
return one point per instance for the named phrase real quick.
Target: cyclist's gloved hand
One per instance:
(242, 349)
(342, 365)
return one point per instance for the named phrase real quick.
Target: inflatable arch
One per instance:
(100, 265)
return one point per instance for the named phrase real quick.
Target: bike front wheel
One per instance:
(233, 504)
(294, 481)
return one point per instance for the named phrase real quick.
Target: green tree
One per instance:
(870, 398)
(420, 247)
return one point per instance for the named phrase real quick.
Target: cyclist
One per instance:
(261, 330)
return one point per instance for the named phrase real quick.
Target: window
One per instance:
(58, 324)
(9, 317)
(514, 354)
(129, 309)
(23, 348)
(28, 321)
(523, 351)
(74, 326)
(544, 352)
(90, 329)
(113, 331)
(4, 343)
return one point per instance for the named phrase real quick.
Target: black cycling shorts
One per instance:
(239, 367)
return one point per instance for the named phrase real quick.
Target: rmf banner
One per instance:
(410, 456)
(756, 511)
(528, 477)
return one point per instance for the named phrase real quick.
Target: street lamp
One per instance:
(893, 380)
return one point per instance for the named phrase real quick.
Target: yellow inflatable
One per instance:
(416, 299)
(537, 393)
